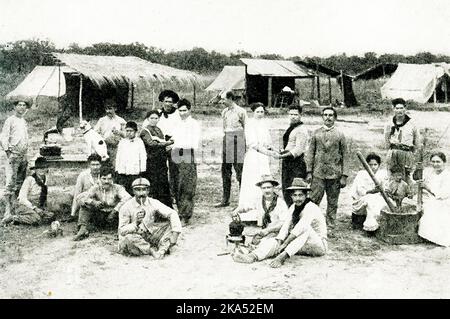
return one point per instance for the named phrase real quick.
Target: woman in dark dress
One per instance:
(156, 173)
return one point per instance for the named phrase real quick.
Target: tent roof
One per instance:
(314, 66)
(377, 71)
(42, 81)
(414, 82)
(281, 68)
(231, 78)
(114, 69)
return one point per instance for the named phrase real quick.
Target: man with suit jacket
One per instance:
(327, 163)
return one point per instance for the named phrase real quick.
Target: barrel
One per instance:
(399, 228)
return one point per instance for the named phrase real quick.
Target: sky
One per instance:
(286, 27)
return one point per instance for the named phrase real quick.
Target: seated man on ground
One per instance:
(139, 234)
(101, 205)
(366, 197)
(269, 211)
(85, 181)
(32, 208)
(303, 232)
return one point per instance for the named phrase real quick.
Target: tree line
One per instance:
(22, 56)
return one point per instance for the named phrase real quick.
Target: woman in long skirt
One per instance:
(435, 222)
(156, 172)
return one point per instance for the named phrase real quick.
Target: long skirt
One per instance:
(255, 165)
(435, 222)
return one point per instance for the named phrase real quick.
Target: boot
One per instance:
(82, 233)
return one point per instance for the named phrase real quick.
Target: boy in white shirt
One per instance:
(131, 157)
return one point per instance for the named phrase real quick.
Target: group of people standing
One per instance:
(319, 159)
(157, 164)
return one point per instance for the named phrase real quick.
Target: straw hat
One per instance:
(299, 184)
(267, 179)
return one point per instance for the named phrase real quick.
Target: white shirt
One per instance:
(15, 135)
(131, 157)
(128, 216)
(186, 134)
(166, 124)
(105, 125)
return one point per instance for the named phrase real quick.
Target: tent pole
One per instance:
(434, 92)
(342, 84)
(59, 86)
(132, 95)
(246, 86)
(329, 90)
(269, 96)
(445, 90)
(153, 98)
(318, 89)
(80, 102)
(194, 94)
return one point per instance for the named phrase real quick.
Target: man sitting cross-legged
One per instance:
(303, 232)
(269, 211)
(139, 234)
(101, 204)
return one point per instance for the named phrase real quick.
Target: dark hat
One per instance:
(40, 162)
(267, 179)
(299, 184)
(131, 124)
(168, 93)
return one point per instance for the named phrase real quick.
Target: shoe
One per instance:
(82, 234)
(222, 204)
(6, 220)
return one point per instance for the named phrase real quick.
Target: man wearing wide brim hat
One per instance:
(303, 232)
(31, 207)
(268, 211)
(138, 232)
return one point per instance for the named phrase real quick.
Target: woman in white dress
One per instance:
(256, 161)
(435, 222)
(367, 199)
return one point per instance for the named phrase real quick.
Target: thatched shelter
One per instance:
(124, 80)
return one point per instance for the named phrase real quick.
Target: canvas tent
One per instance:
(418, 82)
(265, 78)
(45, 81)
(232, 78)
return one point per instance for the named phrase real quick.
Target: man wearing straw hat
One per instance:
(14, 141)
(303, 232)
(269, 211)
(138, 232)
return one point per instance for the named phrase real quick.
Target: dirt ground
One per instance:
(357, 266)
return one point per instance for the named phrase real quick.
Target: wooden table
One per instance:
(67, 161)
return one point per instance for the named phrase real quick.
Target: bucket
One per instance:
(399, 228)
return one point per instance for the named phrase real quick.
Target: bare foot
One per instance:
(244, 258)
(279, 260)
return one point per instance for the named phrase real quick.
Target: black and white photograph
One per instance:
(225, 150)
